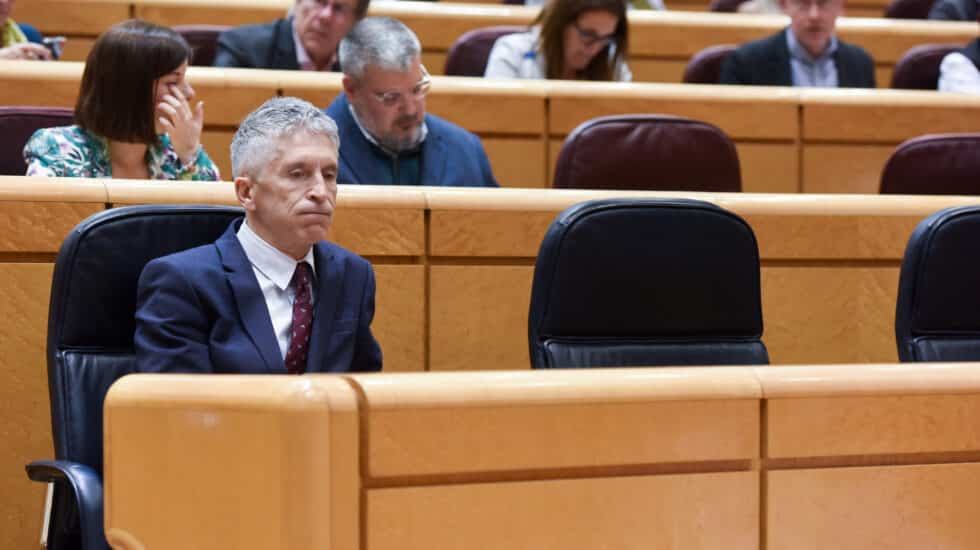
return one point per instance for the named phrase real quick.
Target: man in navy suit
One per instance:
(807, 53)
(269, 296)
(387, 138)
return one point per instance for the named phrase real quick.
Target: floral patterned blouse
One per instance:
(71, 151)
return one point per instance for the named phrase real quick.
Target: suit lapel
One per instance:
(251, 303)
(845, 69)
(778, 67)
(329, 289)
(434, 159)
(284, 52)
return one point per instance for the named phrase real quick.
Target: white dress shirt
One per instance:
(817, 72)
(274, 270)
(958, 74)
(517, 56)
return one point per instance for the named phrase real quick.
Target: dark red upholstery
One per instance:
(468, 55)
(724, 5)
(909, 9)
(203, 40)
(918, 68)
(936, 164)
(705, 66)
(653, 152)
(17, 124)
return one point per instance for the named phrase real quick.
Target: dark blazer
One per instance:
(266, 46)
(202, 311)
(765, 62)
(972, 52)
(954, 10)
(451, 156)
(32, 34)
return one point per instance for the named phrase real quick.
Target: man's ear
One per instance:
(350, 87)
(244, 191)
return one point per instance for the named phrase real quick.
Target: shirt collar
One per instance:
(798, 52)
(423, 131)
(303, 58)
(269, 260)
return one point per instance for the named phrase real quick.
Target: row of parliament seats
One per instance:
(661, 43)
(685, 155)
(618, 282)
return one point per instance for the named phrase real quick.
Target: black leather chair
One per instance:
(937, 316)
(646, 282)
(90, 345)
(705, 66)
(648, 152)
(203, 40)
(17, 124)
(934, 164)
(469, 54)
(918, 68)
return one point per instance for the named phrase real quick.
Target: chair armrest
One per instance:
(86, 486)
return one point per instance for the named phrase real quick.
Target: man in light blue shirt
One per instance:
(807, 53)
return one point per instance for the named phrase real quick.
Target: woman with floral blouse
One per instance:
(133, 116)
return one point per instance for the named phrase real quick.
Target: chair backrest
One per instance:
(909, 9)
(729, 6)
(652, 152)
(468, 55)
(93, 301)
(918, 68)
(705, 66)
(646, 282)
(937, 316)
(17, 124)
(936, 164)
(203, 40)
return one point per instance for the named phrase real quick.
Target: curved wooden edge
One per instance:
(776, 95)
(122, 192)
(476, 389)
(36, 189)
(120, 539)
(885, 98)
(869, 380)
(379, 196)
(35, 70)
(233, 392)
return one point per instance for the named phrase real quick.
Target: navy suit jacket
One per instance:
(765, 62)
(202, 311)
(451, 156)
(264, 46)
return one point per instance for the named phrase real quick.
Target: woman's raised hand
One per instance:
(181, 123)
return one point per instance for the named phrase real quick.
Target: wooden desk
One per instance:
(661, 43)
(850, 457)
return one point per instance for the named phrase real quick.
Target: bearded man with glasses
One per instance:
(807, 53)
(386, 137)
(305, 40)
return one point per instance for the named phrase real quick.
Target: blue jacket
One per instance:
(32, 34)
(202, 311)
(451, 156)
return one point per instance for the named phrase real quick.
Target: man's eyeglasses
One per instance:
(392, 98)
(339, 9)
(590, 38)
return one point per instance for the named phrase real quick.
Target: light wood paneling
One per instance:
(399, 320)
(25, 427)
(77, 48)
(844, 168)
(832, 314)
(882, 508)
(657, 70)
(854, 426)
(702, 512)
(70, 17)
(295, 490)
(518, 162)
(31, 226)
(830, 236)
(380, 231)
(217, 143)
(488, 233)
(769, 167)
(479, 317)
(218, 12)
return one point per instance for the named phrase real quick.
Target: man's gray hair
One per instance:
(380, 41)
(258, 135)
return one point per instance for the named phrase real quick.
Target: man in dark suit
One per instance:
(387, 137)
(269, 296)
(306, 40)
(807, 53)
(954, 10)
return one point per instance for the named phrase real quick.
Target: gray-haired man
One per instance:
(270, 295)
(386, 135)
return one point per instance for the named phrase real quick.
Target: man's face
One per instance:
(290, 201)
(813, 21)
(321, 24)
(390, 103)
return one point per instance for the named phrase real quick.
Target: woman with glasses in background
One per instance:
(569, 40)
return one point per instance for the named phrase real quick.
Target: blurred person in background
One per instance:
(18, 40)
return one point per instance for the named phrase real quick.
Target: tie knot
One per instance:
(302, 275)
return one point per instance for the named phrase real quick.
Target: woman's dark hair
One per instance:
(557, 15)
(115, 99)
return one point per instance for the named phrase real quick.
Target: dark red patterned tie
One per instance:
(302, 319)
